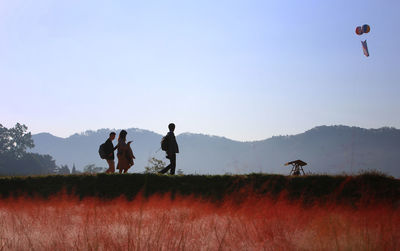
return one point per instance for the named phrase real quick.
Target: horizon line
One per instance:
(211, 135)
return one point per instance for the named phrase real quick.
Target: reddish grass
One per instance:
(185, 223)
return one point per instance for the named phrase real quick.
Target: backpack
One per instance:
(164, 143)
(102, 152)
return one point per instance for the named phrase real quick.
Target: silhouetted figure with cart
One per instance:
(170, 146)
(297, 167)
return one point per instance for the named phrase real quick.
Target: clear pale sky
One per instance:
(245, 70)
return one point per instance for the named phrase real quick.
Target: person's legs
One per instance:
(172, 165)
(111, 166)
(165, 169)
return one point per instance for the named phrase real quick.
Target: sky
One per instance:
(245, 70)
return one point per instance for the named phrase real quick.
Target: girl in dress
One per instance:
(124, 154)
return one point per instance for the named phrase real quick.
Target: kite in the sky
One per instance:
(365, 48)
(362, 30)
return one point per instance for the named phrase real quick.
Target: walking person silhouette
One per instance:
(109, 151)
(171, 149)
(124, 154)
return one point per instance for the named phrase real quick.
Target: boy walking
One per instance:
(172, 150)
(109, 150)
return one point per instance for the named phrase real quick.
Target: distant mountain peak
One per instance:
(47, 135)
(107, 131)
(188, 134)
(44, 134)
(345, 127)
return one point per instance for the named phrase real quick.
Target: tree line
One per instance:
(16, 160)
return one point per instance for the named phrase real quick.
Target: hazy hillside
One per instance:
(329, 149)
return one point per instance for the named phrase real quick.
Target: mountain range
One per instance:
(326, 149)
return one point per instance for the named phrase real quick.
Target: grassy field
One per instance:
(246, 212)
(365, 189)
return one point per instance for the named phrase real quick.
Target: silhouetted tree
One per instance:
(93, 169)
(28, 164)
(155, 165)
(14, 160)
(63, 169)
(15, 141)
(74, 169)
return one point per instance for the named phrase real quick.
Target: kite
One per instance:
(360, 30)
(365, 48)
